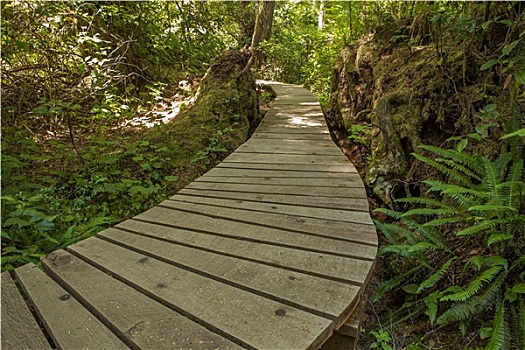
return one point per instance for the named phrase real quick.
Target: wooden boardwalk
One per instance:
(269, 250)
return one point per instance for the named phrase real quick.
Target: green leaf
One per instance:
(490, 108)
(171, 178)
(520, 133)
(461, 145)
(489, 64)
(519, 288)
(499, 237)
(16, 221)
(508, 49)
(411, 288)
(485, 332)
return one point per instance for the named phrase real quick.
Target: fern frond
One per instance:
(430, 212)
(461, 168)
(394, 282)
(499, 237)
(474, 286)
(431, 301)
(445, 188)
(451, 173)
(388, 231)
(482, 226)
(443, 221)
(491, 178)
(391, 213)
(431, 235)
(466, 310)
(429, 202)
(497, 338)
(432, 280)
(501, 162)
(458, 157)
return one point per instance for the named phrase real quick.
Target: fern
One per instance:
(394, 282)
(451, 173)
(429, 202)
(466, 310)
(498, 336)
(432, 280)
(458, 157)
(474, 286)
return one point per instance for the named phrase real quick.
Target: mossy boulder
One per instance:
(412, 95)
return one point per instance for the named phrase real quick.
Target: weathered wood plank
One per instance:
(285, 146)
(295, 210)
(69, 324)
(287, 130)
(309, 201)
(19, 328)
(356, 232)
(252, 321)
(320, 296)
(289, 136)
(285, 158)
(276, 173)
(146, 323)
(337, 268)
(253, 233)
(351, 181)
(318, 168)
(336, 192)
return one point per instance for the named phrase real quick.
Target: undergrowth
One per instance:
(461, 248)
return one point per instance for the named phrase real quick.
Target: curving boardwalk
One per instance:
(269, 250)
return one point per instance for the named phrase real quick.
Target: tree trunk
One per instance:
(320, 16)
(263, 29)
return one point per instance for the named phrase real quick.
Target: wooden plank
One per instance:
(253, 233)
(289, 146)
(318, 168)
(285, 158)
(295, 210)
(19, 328)
(351, 181)
(146, 323)
(288, 130)
(68, 323)
(310, 201)
(317, 295)
(289, 136)
(356, 232)
(275, 173)
(345, 193)
(253, 321)
(336, 268)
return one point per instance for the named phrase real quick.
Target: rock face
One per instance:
(412, 95)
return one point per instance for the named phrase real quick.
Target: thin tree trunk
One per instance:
(262, 31)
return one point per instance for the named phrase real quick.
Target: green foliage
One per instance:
(382, 340)
(483, 201)
(360, 133)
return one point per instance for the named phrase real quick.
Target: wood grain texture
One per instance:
(347, 168)
(357, 231)
(252, 321)
(20, 330)
(145, 323)
(70, 325)
(337, 268)
(255, 233)
(296, 210)
(317, 295)
(359, 204)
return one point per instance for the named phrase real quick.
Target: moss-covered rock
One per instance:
(411, 94)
